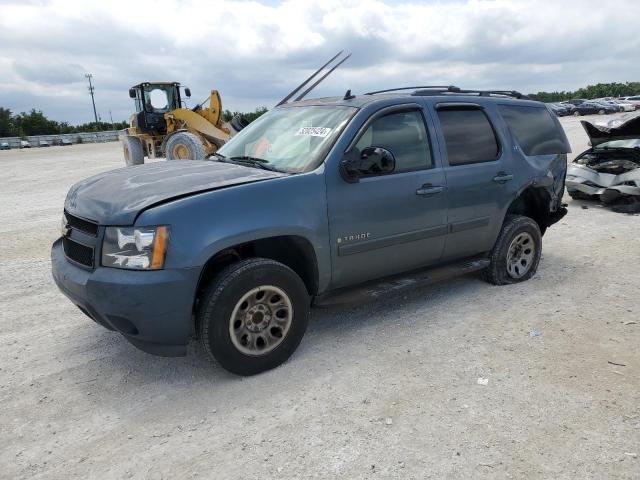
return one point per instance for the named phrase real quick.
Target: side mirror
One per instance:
(132, 93)
(377, 161)
(187, 92)
(372, 161)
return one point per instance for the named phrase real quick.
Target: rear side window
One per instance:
(535, 130)
(469, 136)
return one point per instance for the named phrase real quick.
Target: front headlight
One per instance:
(135, 248)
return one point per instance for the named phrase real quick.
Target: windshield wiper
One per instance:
(253, 162)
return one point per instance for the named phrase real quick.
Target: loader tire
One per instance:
(185, 146)
(133, 152)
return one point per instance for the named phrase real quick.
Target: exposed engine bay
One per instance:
(610, 170)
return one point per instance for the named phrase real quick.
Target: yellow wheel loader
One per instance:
(163, 127)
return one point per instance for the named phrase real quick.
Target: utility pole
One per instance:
(91, 90)
(111, 117)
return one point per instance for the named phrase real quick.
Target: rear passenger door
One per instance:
(478, 173)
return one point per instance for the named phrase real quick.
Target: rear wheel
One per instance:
(516, 254)
(600, 112)
(253, 315)
(133, 152)
(185, 146)
(576, 113)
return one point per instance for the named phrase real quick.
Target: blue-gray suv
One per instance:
(314, 197)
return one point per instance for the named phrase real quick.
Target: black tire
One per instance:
(514, 227)
(223, 295)
(133, 152)
(578, 195)
(185, 146)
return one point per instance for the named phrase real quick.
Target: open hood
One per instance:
(118, 196)
(626, 127)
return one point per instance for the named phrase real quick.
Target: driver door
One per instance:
(390, 222)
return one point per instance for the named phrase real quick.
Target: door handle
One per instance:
(427, 190)
(502, 177)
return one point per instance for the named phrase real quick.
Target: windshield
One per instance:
(633, 143)
(290, 139)
(159, 98)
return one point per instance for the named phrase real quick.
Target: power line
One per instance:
(91, 90)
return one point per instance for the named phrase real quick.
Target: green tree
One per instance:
(227, 115)
(7, 127)
(598, 90)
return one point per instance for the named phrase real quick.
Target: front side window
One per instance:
(469, 136)
(404, 135)
(290, 139)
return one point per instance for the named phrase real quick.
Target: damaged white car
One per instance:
(610, 170)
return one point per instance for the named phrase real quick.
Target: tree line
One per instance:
(599, 90)
(36, 123)
(227, 115)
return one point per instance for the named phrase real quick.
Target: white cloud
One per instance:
(255, 53)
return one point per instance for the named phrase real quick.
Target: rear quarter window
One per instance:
(535, 130)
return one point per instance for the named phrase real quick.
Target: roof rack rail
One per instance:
(440, 89)
(488, 93)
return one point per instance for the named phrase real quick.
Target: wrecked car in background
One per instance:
(610, 170)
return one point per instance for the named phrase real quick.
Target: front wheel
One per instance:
(253, 315)
(133, 152)
(516, 254)
(185, 146)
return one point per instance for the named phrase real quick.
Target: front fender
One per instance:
(207, 223)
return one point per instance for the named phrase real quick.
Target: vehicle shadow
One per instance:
(327, 323)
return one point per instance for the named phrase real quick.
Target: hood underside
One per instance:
(622, 128)
(117, 197)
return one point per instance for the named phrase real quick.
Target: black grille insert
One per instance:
(77, 252)
(81, 224)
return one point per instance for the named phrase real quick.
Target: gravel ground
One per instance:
(387, 389)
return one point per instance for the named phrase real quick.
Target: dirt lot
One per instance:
(383, 390)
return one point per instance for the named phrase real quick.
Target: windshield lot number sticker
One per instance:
(314, 131)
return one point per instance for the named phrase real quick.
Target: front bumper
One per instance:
(151, 309)
(590, 182)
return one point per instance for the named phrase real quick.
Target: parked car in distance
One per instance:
(624, 105)
(5, 146)
(559, 109)
(635, 100)
(576, 101)
(587, 108)
(608, 107)
(314, 197)
(24, 144)
(44, 143)
(64, 142)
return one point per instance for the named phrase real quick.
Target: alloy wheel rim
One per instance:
(520, 255)
(261, 320)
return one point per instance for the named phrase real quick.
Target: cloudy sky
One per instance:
(255, 52)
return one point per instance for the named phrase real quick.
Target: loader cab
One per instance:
(153, 100)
